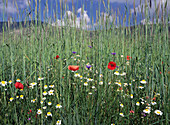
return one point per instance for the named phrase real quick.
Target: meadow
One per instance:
(73, 76)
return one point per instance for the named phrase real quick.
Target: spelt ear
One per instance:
(150, 3)
(166, 4)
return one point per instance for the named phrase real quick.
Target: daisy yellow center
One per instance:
(10, 81)
(21, 95)
(158, 112)
(58, 121)
(131, 94)
(33, 100)
(137, 102)
(117, 72)
(3, 82)
(49, 113)
(58, 105)
(146, 110)
(121, 113)
(119, 83)
(143, 80)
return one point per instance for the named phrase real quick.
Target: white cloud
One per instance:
(82, 21)
(11, 6)
(152, 9)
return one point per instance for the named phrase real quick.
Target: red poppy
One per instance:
(154, 98)
(19, 85)
(128, 57)
(111, 65)
(73, 68)
(56, 57)
(131, 111)
(147, 97)
(30, 111)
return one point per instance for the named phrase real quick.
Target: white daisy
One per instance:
(45, 93)
(77, 75)
(58, 106)
(123, 74)
(39, 112)
(85, 84)
(10, 82)
(125, 84)
(137, 103)
(58, 122)
(81, 77)
(146, 111)
(101, 83)
(121, 114)
(93, 87)
(100, 75)
(141, 87)
(33, 84)
(45, 86)
(51, 92)
(44, 98)
(51, 86)
(109, 83)
(89, 79)
(21, 96)
(11, 99)
(116, 73)
(3, 83)
(143, 82)
(121, 105)
(45, 107)
(41, 102)
(40, 78)
(33, 101)
(153, 103)
(18, 80)
(49, 114)
(49, 103)
(158, 112)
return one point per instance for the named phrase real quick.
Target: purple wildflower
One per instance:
(117, 66)
(90, 46)
(88, 66)
(74, 52)
(29, 118)
(113, 53)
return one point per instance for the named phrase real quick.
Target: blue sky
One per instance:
(19, 9)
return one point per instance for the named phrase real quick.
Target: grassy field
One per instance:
(39, 87)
